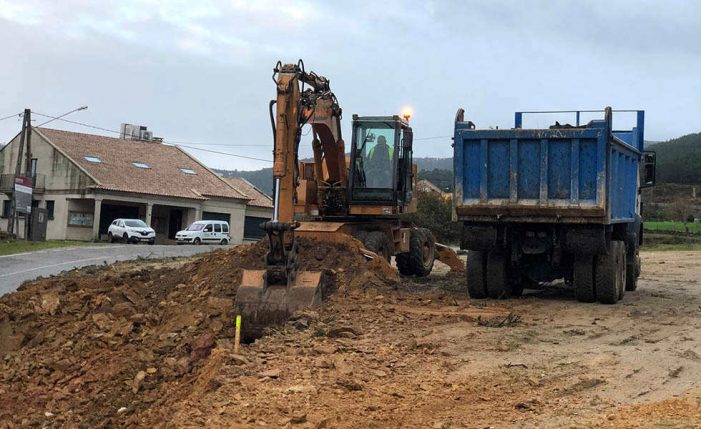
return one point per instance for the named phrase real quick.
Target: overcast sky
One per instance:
(199, 71)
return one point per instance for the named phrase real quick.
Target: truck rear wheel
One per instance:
(497, 279)
(632, 273)
(474, 274)
(378, 242)
(608, 277)
(584, 289)
(622, 269)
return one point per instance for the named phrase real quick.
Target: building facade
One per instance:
(85, 181)
(259, 208)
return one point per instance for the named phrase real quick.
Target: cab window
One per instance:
(374, 159)
(208, 228)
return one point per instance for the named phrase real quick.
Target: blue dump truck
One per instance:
(543, 204)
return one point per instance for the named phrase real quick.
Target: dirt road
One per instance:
(419, 354)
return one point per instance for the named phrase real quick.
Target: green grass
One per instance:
(665, 247)
(671, 226)
(21, 246)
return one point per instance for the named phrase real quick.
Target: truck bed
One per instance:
(582, 174)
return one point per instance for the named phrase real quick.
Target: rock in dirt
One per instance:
(138, 381)
(202, 346)
(271, 373)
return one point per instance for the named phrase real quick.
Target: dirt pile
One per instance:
(100, 346)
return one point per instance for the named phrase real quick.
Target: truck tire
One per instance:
(474, 274)
(422, 251)
(378, 242)
(622, 269)
(584, 289)
(632, 273)
(497, 279)
(607, 275)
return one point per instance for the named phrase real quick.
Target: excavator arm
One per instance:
(270, 296)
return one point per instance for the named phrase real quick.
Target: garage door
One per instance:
(111, 212)
(251, 228)
(226, 217)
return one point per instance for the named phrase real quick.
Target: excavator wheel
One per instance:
(378, 242)
(422, 251)
(404, 266)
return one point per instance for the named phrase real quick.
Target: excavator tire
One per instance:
(361, 236)
(404, 266)
(422, 251)
(378, 242)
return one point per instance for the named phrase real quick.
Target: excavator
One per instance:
(362, 196)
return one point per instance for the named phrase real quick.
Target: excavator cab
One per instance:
(381, 172)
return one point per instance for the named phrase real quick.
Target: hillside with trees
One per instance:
(679, 160)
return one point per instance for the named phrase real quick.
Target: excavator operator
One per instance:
(379, 170)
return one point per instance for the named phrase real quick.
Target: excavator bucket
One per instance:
(446, 255)
(261, 304)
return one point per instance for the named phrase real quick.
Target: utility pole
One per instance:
(28, 169)
(13, 220)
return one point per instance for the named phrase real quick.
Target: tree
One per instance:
(435, 213)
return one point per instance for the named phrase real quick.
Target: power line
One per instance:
(11, 116)
(225, 153)
(165, 141)
(59, 117)
(79, 123)
(434, 138)
(218, 144)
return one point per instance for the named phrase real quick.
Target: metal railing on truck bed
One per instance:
(564, 173)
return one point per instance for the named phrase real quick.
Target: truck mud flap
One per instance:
(478, 237)
(586, 241)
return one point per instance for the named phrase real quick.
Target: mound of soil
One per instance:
(101, 346)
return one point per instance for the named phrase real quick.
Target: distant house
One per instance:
(258, 209)
(428, 187)
(85, 181)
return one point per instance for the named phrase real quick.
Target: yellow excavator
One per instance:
(361, 196)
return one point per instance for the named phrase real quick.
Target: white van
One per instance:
(205, 232)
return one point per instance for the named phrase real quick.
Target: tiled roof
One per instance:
(428, 186)
(258, 197)
(116, 171)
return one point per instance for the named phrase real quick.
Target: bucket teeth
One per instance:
(262, 305)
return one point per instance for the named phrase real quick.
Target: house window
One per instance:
(6, 207)
(187, 170)
(34, 167)
(140, 165)
(93, 159)
(80, 219)
(50, 209)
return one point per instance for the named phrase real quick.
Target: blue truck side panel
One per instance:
(584, 174)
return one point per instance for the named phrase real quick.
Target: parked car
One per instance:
(205, 231)
(131, 231)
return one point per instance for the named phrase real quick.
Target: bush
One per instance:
(435, 213)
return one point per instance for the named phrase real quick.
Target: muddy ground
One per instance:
(379, 353)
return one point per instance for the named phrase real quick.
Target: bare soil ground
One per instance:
(133, 345)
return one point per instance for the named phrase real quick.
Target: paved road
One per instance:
(14, 269)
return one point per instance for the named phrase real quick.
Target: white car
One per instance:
(205, 231)
(131, 231)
